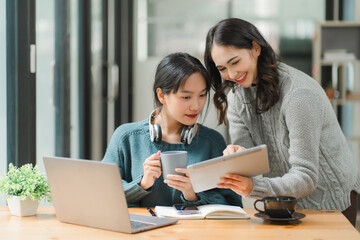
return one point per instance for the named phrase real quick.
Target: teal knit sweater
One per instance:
(130, 145)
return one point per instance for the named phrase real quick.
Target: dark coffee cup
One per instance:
(278, 206)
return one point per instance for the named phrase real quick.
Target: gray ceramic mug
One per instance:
(171, 160)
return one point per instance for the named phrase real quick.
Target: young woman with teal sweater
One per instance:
(181, 89)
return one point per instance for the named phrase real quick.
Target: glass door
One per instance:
(98, 78)
(45, 63)
(62, 31)
(2, 92)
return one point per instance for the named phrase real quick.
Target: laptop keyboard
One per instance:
(140, 225)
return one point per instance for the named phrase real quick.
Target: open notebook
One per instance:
(209, 211)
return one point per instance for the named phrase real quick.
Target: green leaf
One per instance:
(24, 182)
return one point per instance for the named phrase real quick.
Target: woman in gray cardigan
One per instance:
(274, 104)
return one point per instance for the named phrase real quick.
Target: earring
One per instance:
(235, 87)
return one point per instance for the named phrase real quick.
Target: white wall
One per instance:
(144, 73)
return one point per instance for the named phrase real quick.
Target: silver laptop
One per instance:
(90, 193)
(250, 162)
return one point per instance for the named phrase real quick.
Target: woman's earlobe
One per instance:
(160, 95)
(256, 47)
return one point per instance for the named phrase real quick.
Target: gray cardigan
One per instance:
(308, 153)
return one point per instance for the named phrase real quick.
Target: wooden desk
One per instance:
(318, 224)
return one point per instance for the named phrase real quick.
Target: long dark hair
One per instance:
(241, 34)
(173, 71)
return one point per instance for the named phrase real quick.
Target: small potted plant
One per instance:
(24, 188)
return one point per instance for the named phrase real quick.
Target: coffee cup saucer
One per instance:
(294, 216)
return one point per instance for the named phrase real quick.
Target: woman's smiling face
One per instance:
(186, 104)
(235, 64)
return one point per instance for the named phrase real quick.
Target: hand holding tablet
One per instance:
(249, 162)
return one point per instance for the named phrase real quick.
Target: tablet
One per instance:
(250, 162)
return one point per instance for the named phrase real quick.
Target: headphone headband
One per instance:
(186, 136)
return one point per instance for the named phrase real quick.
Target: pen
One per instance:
(151, 212)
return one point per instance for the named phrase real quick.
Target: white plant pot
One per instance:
(22, 208)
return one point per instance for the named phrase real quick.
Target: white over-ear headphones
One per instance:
(154, 130)
(186, 136)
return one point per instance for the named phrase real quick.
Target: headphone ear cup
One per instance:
(157, 133)
(183, 135)
(151, 132)
(190, 135)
